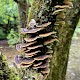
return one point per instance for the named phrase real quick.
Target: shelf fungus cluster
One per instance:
(36, 47)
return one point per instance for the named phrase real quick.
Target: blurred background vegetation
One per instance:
(8, 17)
(9, 22)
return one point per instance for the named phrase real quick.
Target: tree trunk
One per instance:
(23, 7)
(61, 51)
(64, 23)
(65, 30)
(23, 11)
(35, 8)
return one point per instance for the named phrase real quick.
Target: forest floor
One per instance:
(73, 70)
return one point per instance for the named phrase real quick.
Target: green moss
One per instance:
(5, 72)
(35, 7)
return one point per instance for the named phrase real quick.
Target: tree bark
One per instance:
(64, 30)
(23, 7)
(42, 12)
(23, 12)
(61, 51)
(35, 8)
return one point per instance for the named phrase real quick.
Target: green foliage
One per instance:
(13, 76)
(5, 72)
(13, 37)
(8, 10)
(2, 34)
(8, 17)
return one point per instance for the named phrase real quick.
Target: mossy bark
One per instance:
(41, 11)
(61, 51)
(35, 9)
(65, 32)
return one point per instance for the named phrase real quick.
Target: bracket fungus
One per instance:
(49, 41)
(46, 70)
(27, 61)
(42, 57)
(46, 34)
(28, 44)
(37, 64)
(31, 39)
(36, 49)
(30, 31)
(32, 53)
(19, 48)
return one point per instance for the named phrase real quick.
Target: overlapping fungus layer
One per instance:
(36, 49)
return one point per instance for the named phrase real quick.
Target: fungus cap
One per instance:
(30, 31)
(44, 25)
(37, 64)
(42, 57)
(46, 70)
(28, 44)
(34, 47)
(47, 34)
(27, 61)
(31, 39)
(32, 53)
(49, 41)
